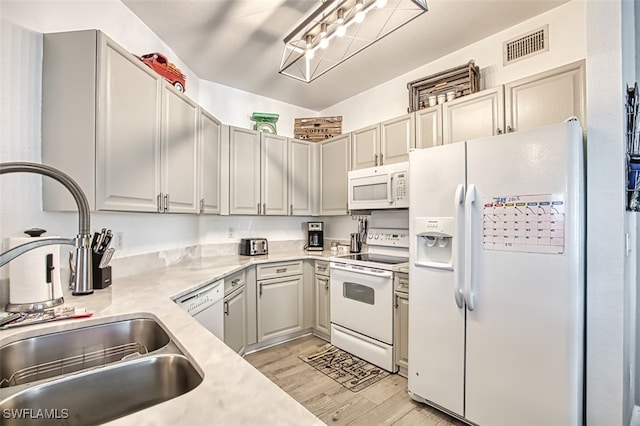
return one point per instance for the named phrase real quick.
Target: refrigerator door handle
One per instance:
(468, 241)
(457, 248)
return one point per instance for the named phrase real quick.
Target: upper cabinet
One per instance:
(115, 126)
(474, 116)
(244, 171)
(546, 98)
(388, 142)
(274, 174)
(334, 166)
(210, 145)
(428, 127)
(397, 137)
(302, 177)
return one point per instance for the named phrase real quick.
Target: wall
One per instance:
(391, 99)
(22, 25)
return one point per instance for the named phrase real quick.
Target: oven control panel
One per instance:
(388, 237)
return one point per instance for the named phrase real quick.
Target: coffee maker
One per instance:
(315, 239)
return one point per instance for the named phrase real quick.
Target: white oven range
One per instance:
(362, 297)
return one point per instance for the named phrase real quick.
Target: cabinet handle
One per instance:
(281, 270)
(235, 282)
(396, 301)
(159, 202)
(166, 202)
(381, 159)
(226, 308)
(264, 208)
(510, 129)
(322, 268)
(326, 284)
(499, 131)
(202, 205)
(290, 209)
(258, 209)
(375, 160)
(260, 293)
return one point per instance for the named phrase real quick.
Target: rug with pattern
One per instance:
(350, 371)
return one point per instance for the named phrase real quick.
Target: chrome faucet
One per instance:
(83, 283)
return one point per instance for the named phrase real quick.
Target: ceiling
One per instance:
(238, 43)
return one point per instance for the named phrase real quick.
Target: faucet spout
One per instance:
(83, 283)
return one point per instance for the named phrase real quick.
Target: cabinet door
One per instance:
(179, 152)
(128, 143)
(334, 166)
(401, 335)
(322, 317)
(210, 147)
(365, 147)
(429, 127)
(235, 312)
(397, 138)
(279, 307)
(244, 170)
(546, 98)
(301, 177)
(274, 174)
(474, 116)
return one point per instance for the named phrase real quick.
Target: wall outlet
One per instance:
(118, 240)
(230, 232)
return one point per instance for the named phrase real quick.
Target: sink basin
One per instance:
(56, 354)
(104, 394)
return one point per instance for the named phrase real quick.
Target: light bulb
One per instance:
(308, 41)
(380, 3)
(359, 5)
(359, 18)
(341, 31)
(340, 17)
(324, 43)
(323, 30)
(310, 54)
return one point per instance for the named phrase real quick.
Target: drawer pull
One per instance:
(281, 270)
(235, 282)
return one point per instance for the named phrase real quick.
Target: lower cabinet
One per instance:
(322, 313)
(401, 323)
(235, 324)
(279, 306)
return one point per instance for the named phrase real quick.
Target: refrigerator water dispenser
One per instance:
(434, 237)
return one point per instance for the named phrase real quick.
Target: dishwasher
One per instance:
(205, 305)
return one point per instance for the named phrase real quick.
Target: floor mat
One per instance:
(351, 372)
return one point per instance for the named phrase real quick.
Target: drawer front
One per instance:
(401, 282)
(279, 269)
(322, 268)
(235, 281)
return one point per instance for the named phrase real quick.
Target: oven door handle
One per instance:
(381, 274)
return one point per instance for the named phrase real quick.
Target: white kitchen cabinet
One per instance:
(258, 173)
(365, 147)
(546, 98)
(397, 137)
(235, 314)
(334, 166)
(244, 171)
(322, 306)
(401, 323)
(279, 307)
(474, 116)
(274, 182)
(302, 177)
(428, 123)
(179, 152)
(115, 126)
(388, 142)
(210, 146)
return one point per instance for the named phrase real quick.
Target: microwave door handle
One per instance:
(390, 189)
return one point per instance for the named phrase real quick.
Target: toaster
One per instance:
(253, 246)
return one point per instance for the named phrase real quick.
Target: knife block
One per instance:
(101, 276)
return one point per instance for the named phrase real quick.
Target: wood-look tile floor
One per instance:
(384, 403)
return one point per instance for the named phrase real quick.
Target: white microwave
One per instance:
(384, 187)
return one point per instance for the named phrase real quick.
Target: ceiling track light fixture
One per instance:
(339, 29)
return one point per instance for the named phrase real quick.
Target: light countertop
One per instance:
(233, 392)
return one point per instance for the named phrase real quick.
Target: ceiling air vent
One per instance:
(526, 45)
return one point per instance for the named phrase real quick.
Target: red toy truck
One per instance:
(158, 62)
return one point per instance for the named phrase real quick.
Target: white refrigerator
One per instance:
(496, 307)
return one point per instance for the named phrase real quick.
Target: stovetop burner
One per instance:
(377, 258)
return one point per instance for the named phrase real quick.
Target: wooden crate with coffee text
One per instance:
(317, 129)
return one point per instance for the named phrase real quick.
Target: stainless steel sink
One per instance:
(104, 394)
(56, 354)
